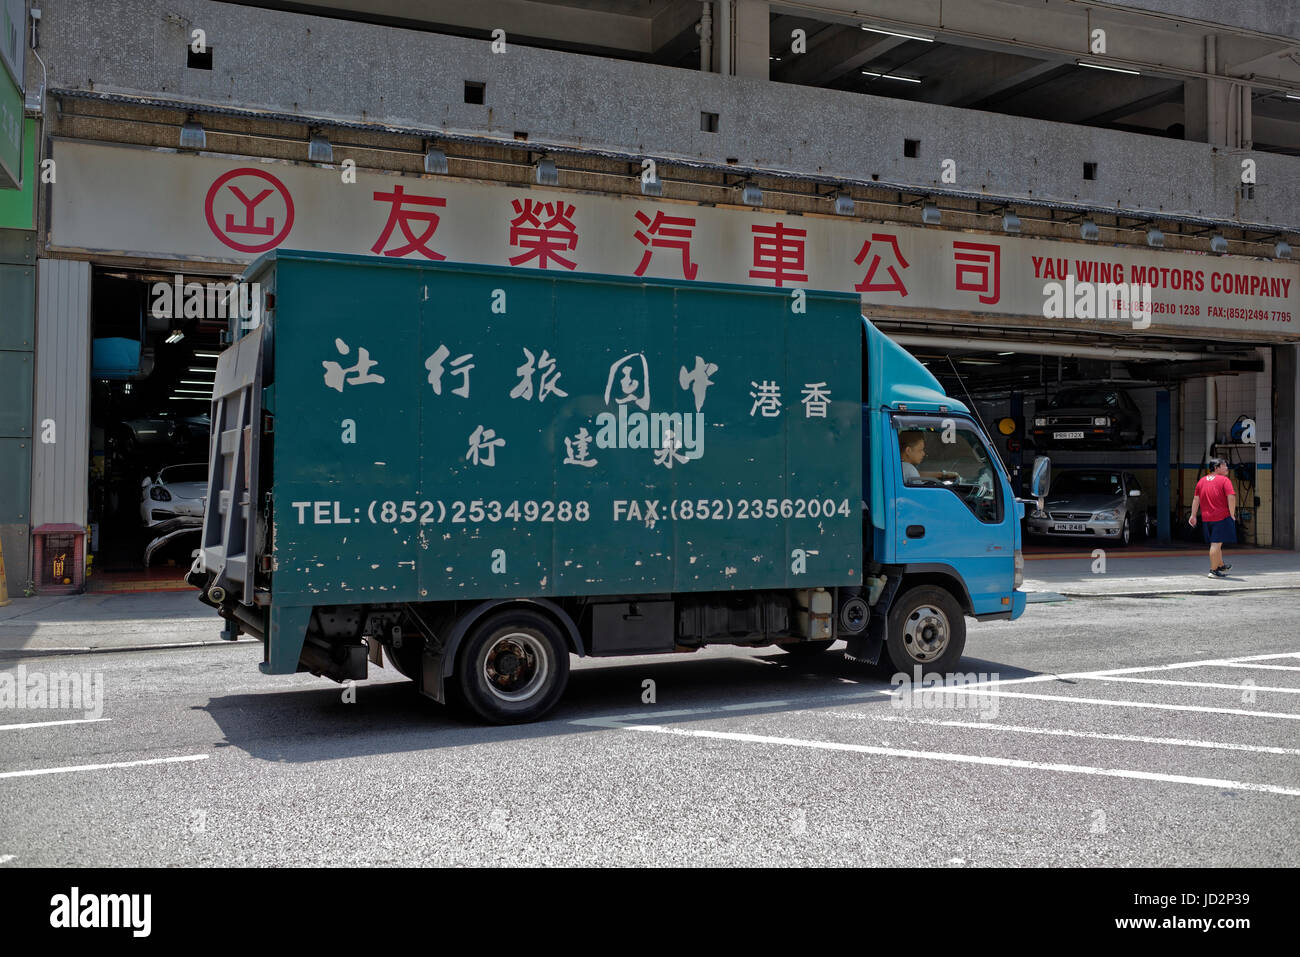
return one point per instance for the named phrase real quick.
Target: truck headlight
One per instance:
(160, 494)
(1101, 420)
(1106, 515)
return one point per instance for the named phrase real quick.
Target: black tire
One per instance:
(529, 656)
(924, 614)
(1125, 533)
(806, 649)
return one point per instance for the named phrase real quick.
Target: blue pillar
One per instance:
(1016, 460)
(1162, 466)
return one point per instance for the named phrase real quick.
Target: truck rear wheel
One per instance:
(926, 630)
(512, 667)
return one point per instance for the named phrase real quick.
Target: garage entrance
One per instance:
(151, 386)
(1128, 419)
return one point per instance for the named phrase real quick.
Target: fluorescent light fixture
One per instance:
(206, 369)
(1112, 69)
(892, 76)
(547, 174)
(1088, 229)
(751, 195)
(176, 336)
(195, 382)
(182, 398)
(207, 355)
(844, 205)
(1218, 244)
(1293, 96)
(1282, 250)
(193, 136)
(435, 161)
(1010, 222)
(1006, 353)
(978, 362)
(1155, 238)
(930, 214)
(194, 392)
(897, 33)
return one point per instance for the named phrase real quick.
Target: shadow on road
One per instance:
(388, 716)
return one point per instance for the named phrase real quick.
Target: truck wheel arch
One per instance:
(942, 576)
(468, 620)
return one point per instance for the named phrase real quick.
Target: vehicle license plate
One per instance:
(1067, 435)
(1070, 527)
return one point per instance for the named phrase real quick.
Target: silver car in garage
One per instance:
(1105, 505)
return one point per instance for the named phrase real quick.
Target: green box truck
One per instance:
(480, 471)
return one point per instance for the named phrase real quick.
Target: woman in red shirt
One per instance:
(1217, 501)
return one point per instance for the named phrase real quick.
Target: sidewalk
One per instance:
(1153, 573)
(76, 624)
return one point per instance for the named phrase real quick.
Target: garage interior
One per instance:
(151, 388)
(1211, 386)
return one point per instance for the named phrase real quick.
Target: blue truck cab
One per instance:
(942, 532)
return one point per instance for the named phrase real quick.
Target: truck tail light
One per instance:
(1020, 568)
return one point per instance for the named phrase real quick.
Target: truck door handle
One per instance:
(916, 531)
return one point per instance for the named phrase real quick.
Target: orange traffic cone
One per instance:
(4, 583)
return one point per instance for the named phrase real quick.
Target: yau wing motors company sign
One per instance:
(160, 204)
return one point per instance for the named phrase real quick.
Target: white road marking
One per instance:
(6, 858)
(1137, 738)
(49, 724)
(1113, 702)
(1077, 675)
(99, 767)
(964, 758)
(1197, 684)
(1242, 664)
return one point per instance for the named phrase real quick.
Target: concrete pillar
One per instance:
(750, 21)
(1286, 451)
(1223, 113)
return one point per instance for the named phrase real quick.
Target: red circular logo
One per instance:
(250, 211)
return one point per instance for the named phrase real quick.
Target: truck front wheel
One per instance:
(512, 667)
(926, 630)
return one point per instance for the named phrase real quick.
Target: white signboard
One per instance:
(159, 204)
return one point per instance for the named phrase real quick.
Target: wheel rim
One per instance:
(1125, 533)
(925, 633)
(1146, 526)
(516, 666)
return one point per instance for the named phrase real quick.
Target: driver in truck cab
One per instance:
(911, 449)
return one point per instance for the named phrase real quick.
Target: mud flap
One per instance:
(285, 638)
(866, 648)
(431, 680)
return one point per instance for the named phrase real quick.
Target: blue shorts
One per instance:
(1224, 531)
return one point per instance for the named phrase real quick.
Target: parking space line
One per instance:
(1196, 684)
(1097, 735)
(1173, 666)
(1155, 706)
(964, 758)
(99, 767)
(1242, 664)
(50, 724)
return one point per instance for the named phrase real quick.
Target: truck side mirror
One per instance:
(1041, 479)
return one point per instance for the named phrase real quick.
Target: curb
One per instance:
(11, 654)
(1190, 591)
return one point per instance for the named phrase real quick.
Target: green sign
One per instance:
(11, 132)
(458, 432)
(18, 206)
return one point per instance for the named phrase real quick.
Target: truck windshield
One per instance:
(949, 453)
